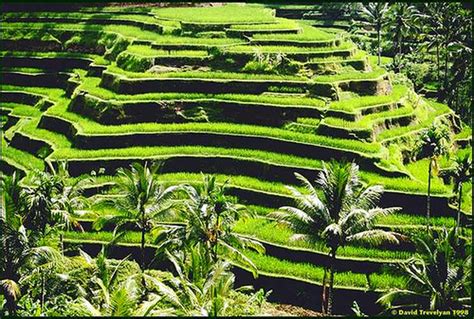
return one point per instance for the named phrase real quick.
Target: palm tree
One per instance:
(344, 212)
(17, 247)
(52, 199)
(107, 296)
(373, 14)
(432, 32)
(144, 200)
(67, 199)
(202, 287)
(433, 143)
(209, 217)
(437, 278)
(401, 21)
(460, 172)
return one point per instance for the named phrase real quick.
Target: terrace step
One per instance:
(234, 33)
(49, 80)
(114, 112)
(297, 43)
(35, 147)
(90, 20)
(47, 63)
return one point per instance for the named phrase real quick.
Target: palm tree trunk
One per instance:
(379, 53)
(42, 291)
(324, 295)
(428, 198)
(331, 280)
(11, 306)
(439, 71)
(61, 242)
(458, 219)
(445, 85)
(142, 244)
(142, 250)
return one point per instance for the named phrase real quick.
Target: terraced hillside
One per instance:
(236, 92)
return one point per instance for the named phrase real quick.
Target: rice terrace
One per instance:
(236, 159)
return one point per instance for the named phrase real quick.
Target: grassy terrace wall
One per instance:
(114, 112)
(50, 80)
(90, 20)
(47, 63)
(124, 85)
(90, 141)
(33, 146)
(20, 97)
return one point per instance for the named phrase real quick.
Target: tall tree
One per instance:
(460, 172)
(402, 20)
(433, 142)
(437, 275)
(209, 216)
(143, 201)
(344, 212)
(373, 14)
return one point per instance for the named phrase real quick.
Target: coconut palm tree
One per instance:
(437, 277)
(209, 216)
(344, 212)
(201, 287)
(106, 295)
(401, 21)
(67, 199)
(460, 172)
(144, 200)
(373, 14)
(53, 198)
(433, 143)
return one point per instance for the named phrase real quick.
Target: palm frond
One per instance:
(374, 237)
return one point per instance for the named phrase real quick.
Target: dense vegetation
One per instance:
(162, 160)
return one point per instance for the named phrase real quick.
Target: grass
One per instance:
(270, 264)
(130, 32)
(161, 151)
(279, 24)
(307, 271)
(83, 16)
(424, 119)
(22, 110)
(366, 122)
(226, 14)
(287, 49)
(414, 220)
(90, 85)
(148, 51)
(23, 159)
(354, 104)
(404, 184)
(355, 75)
(211, 75)
(307, 34)
(273, 232)
(93, 128)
